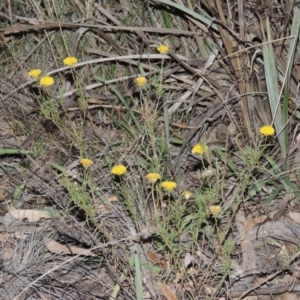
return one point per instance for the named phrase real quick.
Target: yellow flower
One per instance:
(199, 149)
(118, 170)
(70, 61)
(215, 210)
(86, 162)
(187, 195)
(169, 185)
(35, 73)
(46, 81)
(153, 177)
(267, 130)
(140, 81)
(163, 49)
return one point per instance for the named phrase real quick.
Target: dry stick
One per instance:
(55, 25)
(268, 278)
(259, 284)
(72, 258)
(93, 61)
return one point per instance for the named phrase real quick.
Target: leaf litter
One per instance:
(215, 90)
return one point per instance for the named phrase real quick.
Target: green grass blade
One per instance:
(273, 88)
(291, 54)
(138, 278)
(288, 185)
(227, 161)
(207, 21)
(12, 151)
(117, 288)
(124, 102)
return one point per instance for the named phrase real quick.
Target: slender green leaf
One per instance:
(207, 21)
(291, 54)
(273, 88)
(288, 185)
(138, 278)
(12, 151)
(228, 161)
(124, 102)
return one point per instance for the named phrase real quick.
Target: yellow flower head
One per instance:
(70, 61)
(169, 185)
(267, 130)
(46, 81)
(153, 177)
(215, 210)
(163, 49)
(118, 170)
(199, 149)
(35, 73)
(140, 81)
(86, 162)
(187, 195)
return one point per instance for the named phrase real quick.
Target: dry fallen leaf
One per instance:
(250, 223)
(30, 214)
(58, 248)
(295, 216)
(188, 258)
(8, 253)
(167, 292)
(3, 238)
(156, 259)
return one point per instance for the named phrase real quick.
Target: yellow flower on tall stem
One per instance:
(187, 195)
(70, 61)
(118, 170)
(46, 81)
(199, 149)
(267, 130)
(215, 210)
(153, 177)
(35, 73)
(86, 162)
(141, 81)
(169, 185)
(163, 49)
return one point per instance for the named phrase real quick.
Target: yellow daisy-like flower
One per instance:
(169, 185)
(153, 177)
(70, 61)
(46, 81)
(267, 130)
(140, 81)
(199, 149)
(86, 162)
(187, 195)
(118, 170)
(35, 73)
(215, 210)
(163, 49)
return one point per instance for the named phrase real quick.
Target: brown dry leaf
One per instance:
(112, 198)
(295, 216)
(4, 185)
(285, 296)
(188, 258)
(8, 253)
(21, 235)
(167, 292)
(104, 209)
(3, 238)
(30, 214)
(3, 196)
(58, 248)
(156, 259)
(250, 223)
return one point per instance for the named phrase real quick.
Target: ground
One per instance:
(149, 149)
